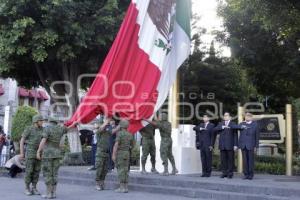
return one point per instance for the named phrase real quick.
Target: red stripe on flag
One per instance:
(135, 97)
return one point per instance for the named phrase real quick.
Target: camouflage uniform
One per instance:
(125, 141)
(32, 136)
(165, 129)
(148, 144)
(52, 156)
(102, 156)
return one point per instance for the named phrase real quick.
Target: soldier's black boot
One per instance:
(166, 171)
(143, 167)
(53, 193)
(153, 169)
(174, 171)
(121, 189)
(34, 190)
(27, 190)
(126, 188)
(48, 194)
(98, 185)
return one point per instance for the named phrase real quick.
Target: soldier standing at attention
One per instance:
(166, 154)
(102, 155)
(51, 146)
(112, 140)
(32, 136)
(148, 144)
(121, 155)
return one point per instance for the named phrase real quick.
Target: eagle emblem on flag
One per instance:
(162, 14)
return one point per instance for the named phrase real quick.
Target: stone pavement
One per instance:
(78, 181)
(12, 189)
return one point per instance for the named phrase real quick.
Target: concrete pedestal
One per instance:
(187, 157)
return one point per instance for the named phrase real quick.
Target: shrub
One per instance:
(21, 120)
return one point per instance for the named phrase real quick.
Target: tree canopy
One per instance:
(264, 38)
(56, 40)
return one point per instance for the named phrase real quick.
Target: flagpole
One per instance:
(173, 107)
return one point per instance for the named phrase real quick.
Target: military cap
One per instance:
(164, 116)
(37, 118)
(124, 123)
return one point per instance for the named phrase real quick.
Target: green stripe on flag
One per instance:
(184, 14)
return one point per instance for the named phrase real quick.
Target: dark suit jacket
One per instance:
(204, 138)
(228, 136)
(249, 135)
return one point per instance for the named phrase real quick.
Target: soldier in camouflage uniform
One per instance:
(51, 147)
(148, 144)
(32, 136)
(121, 155)
(165, 129)
(102, 154)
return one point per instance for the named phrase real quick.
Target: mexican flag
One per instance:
(141, 66)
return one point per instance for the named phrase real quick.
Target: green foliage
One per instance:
(56, 40)
(265, 164)
(215, 80)
(296, 104)
(270, 168)
(21, 120)
(264, 39)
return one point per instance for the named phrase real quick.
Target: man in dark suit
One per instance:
(204, 134)
(248, 143)
(228, 143)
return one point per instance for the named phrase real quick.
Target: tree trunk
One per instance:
(69, 73)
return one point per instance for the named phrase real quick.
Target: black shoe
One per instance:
(208, 175)
(203, 175)
(250, 177)
(230, 176)
(245, 177)
(223, 176)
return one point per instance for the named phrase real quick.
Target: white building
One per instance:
(12, 95)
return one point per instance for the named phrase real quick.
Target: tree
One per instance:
(57, 40)
(264, 39)
(256, 33)
(21, 120)
(213, 75)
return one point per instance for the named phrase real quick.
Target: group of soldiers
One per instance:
(229, 142)
(43, 151)
(123, 145)
(41, 148)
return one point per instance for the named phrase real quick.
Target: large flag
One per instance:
(141, 66)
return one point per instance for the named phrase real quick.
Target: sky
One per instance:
(207, 10)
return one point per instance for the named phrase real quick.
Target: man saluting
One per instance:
(204, 134)
(248, 143)
(228, 143)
